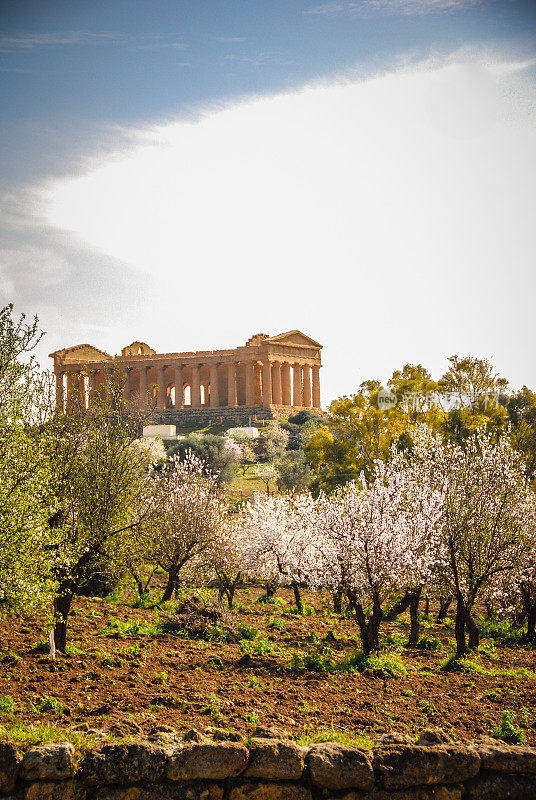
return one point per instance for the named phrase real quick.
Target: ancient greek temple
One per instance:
(269, 376)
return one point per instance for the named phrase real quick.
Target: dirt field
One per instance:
(122, 675)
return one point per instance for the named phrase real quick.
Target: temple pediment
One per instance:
(293, 337)
(81, 353)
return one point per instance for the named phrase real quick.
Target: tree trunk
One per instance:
(489, 608)
(399, 607)
(426, 606)
(369, 629)
(462, 613)
(170, 586)
(531, 623)
(528, 594)
(297, 597)
(414, 617)
(474, 633)
(444, 605)
(271, 588)
(337, 601)
(62, 606)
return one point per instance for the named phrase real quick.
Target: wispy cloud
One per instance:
(365, 8)
(148, 41)
(230, 39)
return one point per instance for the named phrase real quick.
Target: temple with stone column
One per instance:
(270, 376)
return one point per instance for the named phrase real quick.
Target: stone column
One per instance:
(126, 385)
(143, 386)
(92, 387)
(161, 383)
(250, 383)
(277, 395)
(72, 384)
(257, 383)
(178, 386)
(267, 383)
(316, 386)
(81, 390)
(231, 385)
(214, 388)
(286, 389)
(59, 389)
(297, 398)
(307, 386)
(195, 388)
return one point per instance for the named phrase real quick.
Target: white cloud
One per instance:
(390, 217)
(365, 8)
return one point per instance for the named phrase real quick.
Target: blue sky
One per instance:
(89, 85)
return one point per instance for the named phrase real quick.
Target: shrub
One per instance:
(508, 731)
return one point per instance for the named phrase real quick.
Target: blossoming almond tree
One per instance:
(486, 519)
(377, 538)
(280, 544)
(189, 517)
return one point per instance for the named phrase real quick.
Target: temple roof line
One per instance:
(88, 353)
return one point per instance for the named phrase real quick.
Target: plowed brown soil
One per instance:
(121, 682)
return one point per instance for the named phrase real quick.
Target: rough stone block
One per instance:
(162, 791)
(400, 767)
(66, 790)
(336, 767)
(123, 763)
(49, 762)
(10, 759)
(267, 732)
(207, 761)
(251, 790)
(431, 736)
(454, 792)
(507, 758)
(275, 759)
(499, 786)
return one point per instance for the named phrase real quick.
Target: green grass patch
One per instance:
(466, 664)
(135, 627)
(29, 735)
(388, 665)
(431, 643)
(261, 646)
(499, 628)
(7, 704)
(350, 738)
(46, 703)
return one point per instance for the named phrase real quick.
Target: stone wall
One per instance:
(205, 416)
(271, 768)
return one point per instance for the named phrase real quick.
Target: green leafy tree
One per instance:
(24, 475)
(293, 471)
(522, 416)
(103, 492)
